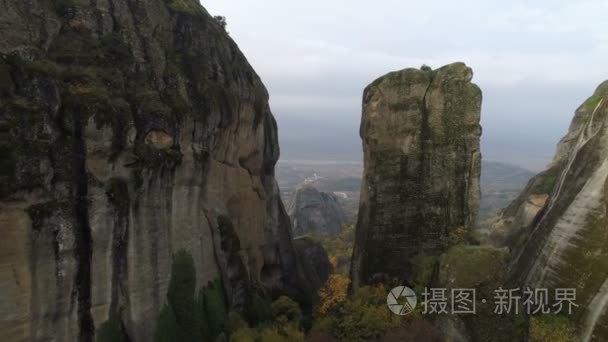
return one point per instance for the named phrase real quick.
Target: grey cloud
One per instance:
(536, 61)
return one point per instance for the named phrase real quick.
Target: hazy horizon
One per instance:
(534, 62)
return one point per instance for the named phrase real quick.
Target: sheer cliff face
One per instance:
(314, 212)
(127, 128)
(565, 243)
(420, 132)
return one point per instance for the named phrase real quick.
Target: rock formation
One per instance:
(420, 131)
(315, 213)
(129, 130)
(317, 257)
(564, 244)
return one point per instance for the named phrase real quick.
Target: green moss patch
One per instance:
(424, 268)
(150, 103)
(592, 103)
(551, 328)
(76, 47)
(456, 265)
(584, 264)
(545, 182)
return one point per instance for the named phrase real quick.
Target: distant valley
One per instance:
(500, 182)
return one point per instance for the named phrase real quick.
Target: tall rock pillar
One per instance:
(420, 132)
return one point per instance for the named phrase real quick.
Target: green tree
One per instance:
(188, 316)
(111, 330)
(181, 295)
(215, 307)
(167, 329)
(363, 317)
(179, 320)
(285, 309)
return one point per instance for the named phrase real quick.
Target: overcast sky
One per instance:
(535, 61)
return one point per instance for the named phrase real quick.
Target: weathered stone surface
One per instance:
(501, 232)
(480, 268)
(565, 245)
(420, 132)
(315, 213)
(127, 129)
(315, 257)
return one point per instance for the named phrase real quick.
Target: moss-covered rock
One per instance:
(420, 131)
(82, 84)
(482, 268)
(471, 266)
(551, 328)
(190, 7)
(563, 245)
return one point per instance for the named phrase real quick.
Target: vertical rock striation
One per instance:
(420, 131)
(129, 130)
(565, 243)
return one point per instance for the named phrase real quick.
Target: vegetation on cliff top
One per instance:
(191, 7)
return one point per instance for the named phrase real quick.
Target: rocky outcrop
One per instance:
(480, 268)
(420, 131)
(565, 244)
(315, 213)
(313, 252)
(129, 130)
(502, 230)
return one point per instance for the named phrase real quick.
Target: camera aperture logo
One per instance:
(401, 300)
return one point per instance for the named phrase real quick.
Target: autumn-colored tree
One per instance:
(333, 260)
(458, 235)
(363, 317)
(333, 294)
